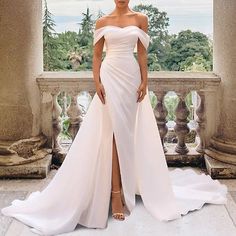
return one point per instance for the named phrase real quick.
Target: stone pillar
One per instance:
(223, 144)
(21, 61)
(22, 152)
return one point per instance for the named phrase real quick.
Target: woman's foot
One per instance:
(117, 205)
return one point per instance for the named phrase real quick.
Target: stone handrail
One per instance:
(206, 84)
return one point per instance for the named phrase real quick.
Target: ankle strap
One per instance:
(115, 191)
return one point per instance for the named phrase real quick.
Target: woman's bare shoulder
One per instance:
(100, 22)
(142, 16)
(142, 20)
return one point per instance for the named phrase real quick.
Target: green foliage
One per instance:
(50, 55)
(65, 126)
(153, 99)
(195, 63)
(73, 51)
(158, 23)
(188, 49)
(171, 103)
(86, 31)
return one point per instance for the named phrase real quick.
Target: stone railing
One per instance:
(205, 84)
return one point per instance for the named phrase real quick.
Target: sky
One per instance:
(196, 15)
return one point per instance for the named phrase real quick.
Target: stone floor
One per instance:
(217, 220)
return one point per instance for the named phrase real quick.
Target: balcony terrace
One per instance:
(30, 121)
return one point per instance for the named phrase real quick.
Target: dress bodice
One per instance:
(121, 40)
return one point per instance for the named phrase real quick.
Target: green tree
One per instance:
(158, 23)
(50, 53)
(70, 52)
(189, 48)
(186, 51)
(195, 63)
(86, 31)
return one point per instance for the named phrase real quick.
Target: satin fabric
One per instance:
(80, 191)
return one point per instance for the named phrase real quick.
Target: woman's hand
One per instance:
(100, 91)
(142, 90)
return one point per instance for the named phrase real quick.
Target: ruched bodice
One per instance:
(121, 41)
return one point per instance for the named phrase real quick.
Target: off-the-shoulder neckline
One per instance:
(115, 26)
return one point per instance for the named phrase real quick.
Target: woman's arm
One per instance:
(97, 60)
(142, 59)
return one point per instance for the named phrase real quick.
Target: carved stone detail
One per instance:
(23, 151)
(56, 122)
(74, 112)
(200, 111)
(181, 128)
(161, 113)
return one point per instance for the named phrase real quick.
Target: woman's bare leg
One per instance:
(117, 205)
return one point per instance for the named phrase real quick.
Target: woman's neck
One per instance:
(121, 11)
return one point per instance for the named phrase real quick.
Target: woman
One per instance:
(117, 152)
(123, 16)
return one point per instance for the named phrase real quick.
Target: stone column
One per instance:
(21, 60)
(21, 48)
(223, 144)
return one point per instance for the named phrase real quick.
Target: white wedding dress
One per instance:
(80, 191)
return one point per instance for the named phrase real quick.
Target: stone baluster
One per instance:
(181, 128)
(161, 113)
(75, 115)
(56, 122)
(200, 111)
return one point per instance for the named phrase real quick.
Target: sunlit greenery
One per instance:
(72, 51)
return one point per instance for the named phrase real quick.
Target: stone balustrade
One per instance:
(205, 84)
